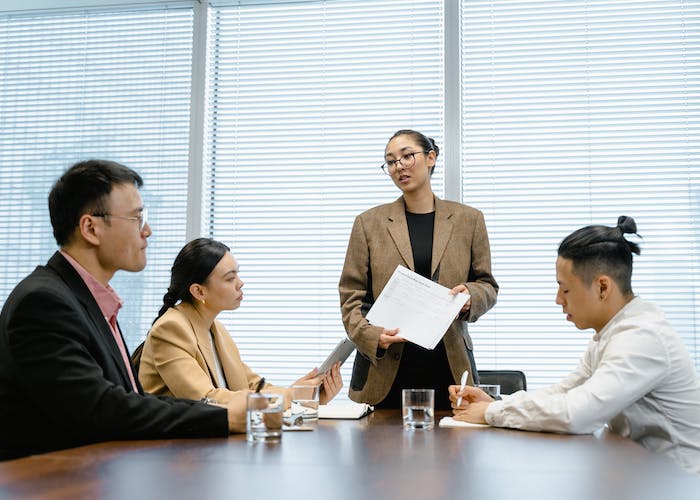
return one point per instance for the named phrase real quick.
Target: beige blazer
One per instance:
(378, 243)
(178, 359)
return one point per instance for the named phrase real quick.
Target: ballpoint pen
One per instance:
(462, 383)
(260, 385)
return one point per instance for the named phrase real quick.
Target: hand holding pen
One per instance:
(261, 384)
(469, 403)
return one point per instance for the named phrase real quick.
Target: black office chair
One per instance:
(510, 380)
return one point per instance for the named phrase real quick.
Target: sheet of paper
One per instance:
(451, 422)
(422, 309)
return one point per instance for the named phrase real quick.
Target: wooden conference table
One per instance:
(356, 459)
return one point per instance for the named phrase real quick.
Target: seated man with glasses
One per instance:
(65, 374)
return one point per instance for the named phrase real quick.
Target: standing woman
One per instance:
(442, 240)
(188, 353)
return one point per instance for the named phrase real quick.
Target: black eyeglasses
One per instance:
(408, 160)
(142, 218)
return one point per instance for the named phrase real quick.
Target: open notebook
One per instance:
(344, 410)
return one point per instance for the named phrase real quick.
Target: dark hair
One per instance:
(596, 250)
(426, 143)
(84, 188)
(193, 264)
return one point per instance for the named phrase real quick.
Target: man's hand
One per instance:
(236, 407)
(475, 413)
(473, 405)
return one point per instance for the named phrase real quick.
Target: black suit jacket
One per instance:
(62, 379)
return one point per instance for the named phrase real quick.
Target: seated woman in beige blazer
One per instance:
(188, 353)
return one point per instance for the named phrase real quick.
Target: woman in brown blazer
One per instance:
(188, 353)
(442, 240)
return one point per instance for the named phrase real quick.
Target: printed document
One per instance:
(422, 309)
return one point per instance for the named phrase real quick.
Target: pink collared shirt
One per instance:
(109, 303)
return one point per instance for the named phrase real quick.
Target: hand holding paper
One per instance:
(463, 289)
(389, 337)
(421, 309)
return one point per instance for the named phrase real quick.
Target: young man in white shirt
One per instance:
(636, 375)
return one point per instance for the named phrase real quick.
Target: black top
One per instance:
(421, 368)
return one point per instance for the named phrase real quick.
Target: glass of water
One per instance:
(418, 408)
(264, 417)
(493, 390)
(305, 402)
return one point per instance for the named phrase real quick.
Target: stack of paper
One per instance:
(451, 422)
(348, 410)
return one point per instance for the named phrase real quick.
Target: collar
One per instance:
(618, 316)
(107, 299)
(398, 229)
(398, 209)
(199, 324)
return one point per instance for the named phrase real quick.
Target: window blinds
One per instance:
(303, 98)
(573, 113)
(111, 84)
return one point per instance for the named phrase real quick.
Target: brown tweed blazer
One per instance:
(378, 243)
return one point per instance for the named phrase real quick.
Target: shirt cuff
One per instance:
(493, 411)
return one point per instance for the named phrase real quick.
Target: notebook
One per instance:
(345, 410)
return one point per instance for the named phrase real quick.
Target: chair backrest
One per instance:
(510, 380)
(136, 359)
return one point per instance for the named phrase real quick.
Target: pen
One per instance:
(462, 383)
(260, 385)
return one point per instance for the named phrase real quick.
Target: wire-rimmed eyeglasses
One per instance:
(142, 218)
(407, 160)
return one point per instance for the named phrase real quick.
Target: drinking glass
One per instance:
(305, 402)
(264, 417)
(418, 408)
(493, 390)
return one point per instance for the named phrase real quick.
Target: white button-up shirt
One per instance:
(636, 376)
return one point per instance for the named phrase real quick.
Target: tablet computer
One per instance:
(340, 353)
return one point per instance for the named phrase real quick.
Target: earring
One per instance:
(204, 302)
